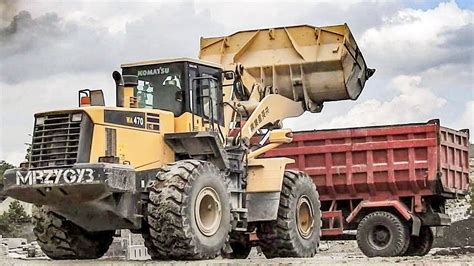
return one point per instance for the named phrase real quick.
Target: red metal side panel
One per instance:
(380, 163)
(454, 160)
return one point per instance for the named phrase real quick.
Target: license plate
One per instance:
(55, 176)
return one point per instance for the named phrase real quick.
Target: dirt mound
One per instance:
(454, 251)
(459, 234)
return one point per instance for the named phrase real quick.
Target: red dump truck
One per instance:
(387, 183)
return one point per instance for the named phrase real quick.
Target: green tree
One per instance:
(3, 167)
(13, 220)
(16, 213)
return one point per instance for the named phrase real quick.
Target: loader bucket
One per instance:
(304, 63)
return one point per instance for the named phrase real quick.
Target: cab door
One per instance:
(206, 94)
(210, 95)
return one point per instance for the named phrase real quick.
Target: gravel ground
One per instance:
(332, 253)
(459, 234)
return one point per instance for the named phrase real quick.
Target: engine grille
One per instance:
(55, 142)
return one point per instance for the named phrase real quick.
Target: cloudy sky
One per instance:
(422, 50)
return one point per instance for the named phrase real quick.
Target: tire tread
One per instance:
(170, 235)
(278, 238)
(61, 239)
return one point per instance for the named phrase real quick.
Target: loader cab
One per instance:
(178, 86)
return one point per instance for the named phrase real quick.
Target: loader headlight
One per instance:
(40, 121)
(76, 117)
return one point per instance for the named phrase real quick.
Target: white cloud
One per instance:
(451, 77)
(113, 15)
(415, 40)
(34, 48)
(413, 103)
(37, 47)
(467, 118)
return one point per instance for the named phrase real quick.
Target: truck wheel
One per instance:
(420, 245)
(61, 239)
(297, 230)
(189, 211)
(240, 244)
(382, 234)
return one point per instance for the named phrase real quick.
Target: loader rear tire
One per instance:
(420, 245)
(61, 239)
(382, 234)
(188, 212)
(296, 232)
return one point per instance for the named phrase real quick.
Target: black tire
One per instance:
(148, 241)
(420, 245)
(283, 238)
(61, 239)
(382, 234)
(240, 244)
(171, 214)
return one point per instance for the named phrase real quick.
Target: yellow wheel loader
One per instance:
(176, 160)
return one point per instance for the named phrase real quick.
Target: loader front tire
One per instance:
(296, 232)
(61, 239)
(148, 241)
(189, 211)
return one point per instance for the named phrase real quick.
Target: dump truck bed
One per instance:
(384, 162)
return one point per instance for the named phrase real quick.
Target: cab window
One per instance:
(159, 86)
(210, 99)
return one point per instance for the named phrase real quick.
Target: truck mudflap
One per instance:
(435, 219)
(81, 183)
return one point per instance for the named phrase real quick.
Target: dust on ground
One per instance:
(331, 253)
